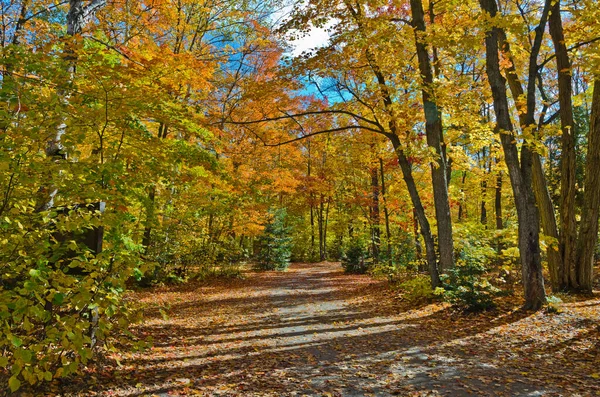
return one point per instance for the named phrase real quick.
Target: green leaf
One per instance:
(16, 341)
(3, 362)
(58, 298)
(14, 384)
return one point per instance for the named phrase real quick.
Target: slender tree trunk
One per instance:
(461, 202)
(78, 16)
(325, 224)
(520, 173)
(321, 221)
(386, 214)
(375, 231)
(419, 211)
(588, 229)
(498, 202)
(418, 248)
(402, 160)
(147, 238)
(433, 130)
(484, 185)
(311, 198)
(20, 22)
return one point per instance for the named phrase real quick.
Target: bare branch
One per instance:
(311, 113)
(321, 132)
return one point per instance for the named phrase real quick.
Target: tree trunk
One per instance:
(498, 202)
(386, 214)
(403, 161)
(418, 248)
(321, 222)
(520, 173)
(588, 229)
(540, 186)
(311, 198)
(375, 232)
(77, 17)
(433, 130)
(461, 203)
(146, 240)
(567, 278)
(419, 211)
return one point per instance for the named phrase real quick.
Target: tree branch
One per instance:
(337, 129)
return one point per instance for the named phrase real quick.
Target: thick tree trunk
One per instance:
(433, 130)
(567, 278)
(588, 229)
(540, 185)
(520, 173)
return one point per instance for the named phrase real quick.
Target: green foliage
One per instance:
(57, 300)
(417, 289)
(554, 304)
(466, 286)
(275, 244)
(403, 259)
(355, 257)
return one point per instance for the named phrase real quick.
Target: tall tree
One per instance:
(520, 169)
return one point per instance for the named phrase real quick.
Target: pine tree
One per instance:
(275, 243)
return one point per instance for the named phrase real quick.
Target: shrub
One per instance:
(417, 289)
(355, 258)
(275, 244)
(554, 304)
(59, 301)
(466, 286)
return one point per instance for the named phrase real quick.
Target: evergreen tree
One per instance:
(275, 243)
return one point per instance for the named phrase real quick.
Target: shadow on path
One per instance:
(316, 331)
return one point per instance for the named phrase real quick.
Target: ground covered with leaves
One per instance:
(318, 332)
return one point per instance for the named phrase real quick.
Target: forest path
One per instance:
(315, 331)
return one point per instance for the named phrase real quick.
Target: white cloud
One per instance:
(315, 38)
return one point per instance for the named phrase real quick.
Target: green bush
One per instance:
(58, 301)
(355, 258)
(275, 244)
(417, 289)
(466, 286)
(554, 304)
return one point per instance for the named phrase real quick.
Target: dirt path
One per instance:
(317, 332)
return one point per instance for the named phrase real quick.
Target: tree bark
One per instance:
(402, 159)
(520, 173)
(77, 17)
(461, 203)
(567, 278)
(498, 202)
(433, 130)
(588, 229)
(419, 211)
(386, 213)
(375, 218)
(540, 185)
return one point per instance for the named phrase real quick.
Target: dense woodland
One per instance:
(449, 146)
